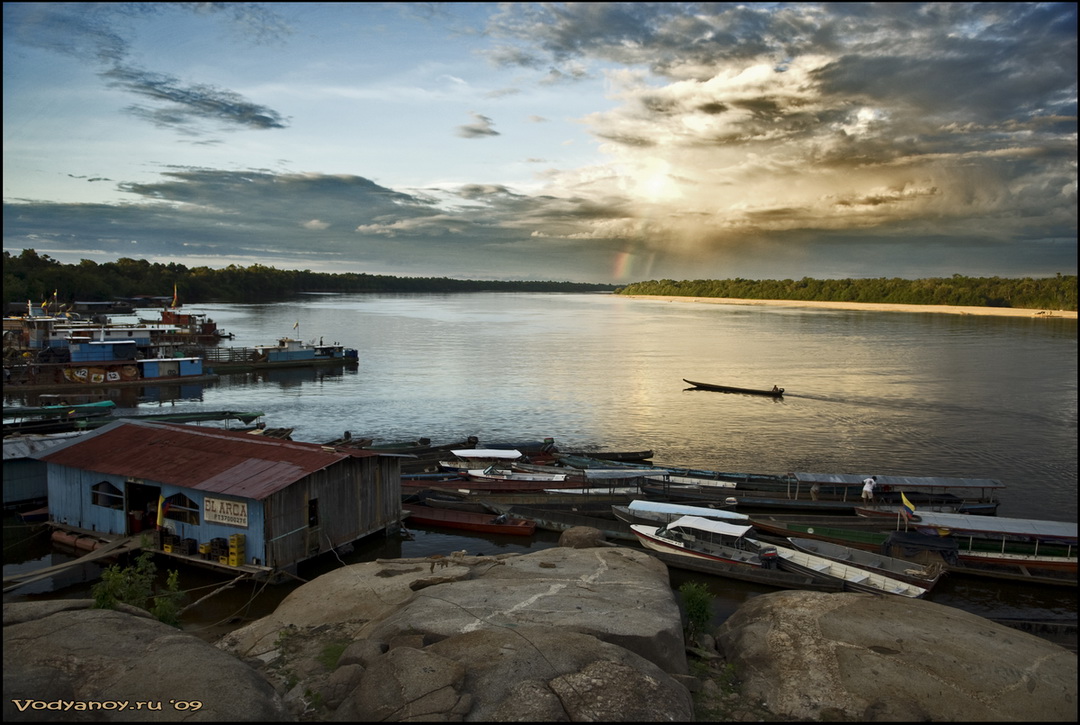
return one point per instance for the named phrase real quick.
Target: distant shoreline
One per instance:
(869, 306)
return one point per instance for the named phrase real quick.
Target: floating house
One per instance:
(287, 352)
(226, 499)
(25, 477)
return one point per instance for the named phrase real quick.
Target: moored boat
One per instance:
(551, 519)
(643, 455)
(470, 521)
(925, 576)
(755, 574)
(464, 459)
(287, 352)
(854, 578)
(702, 538)
(658, 513)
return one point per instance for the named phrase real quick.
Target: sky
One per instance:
(585, 142)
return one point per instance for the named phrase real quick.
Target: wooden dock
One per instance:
(106, 550)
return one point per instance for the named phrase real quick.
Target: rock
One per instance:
(407, 684)
(566, 675)
(582, 537)
(863, 657)
(622, 596)
(68, 652)
(506, 638)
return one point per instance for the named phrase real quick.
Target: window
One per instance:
(179, 507)
(107, 495)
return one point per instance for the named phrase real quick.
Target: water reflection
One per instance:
(901, 394)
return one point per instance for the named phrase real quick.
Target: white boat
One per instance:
(854, 578)
(660, 512)
(708, 539)
(497, 474)
(925, 576)
(473, 458)
(696, 481)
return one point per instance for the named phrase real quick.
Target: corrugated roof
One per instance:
(29, 446)
(205, 459)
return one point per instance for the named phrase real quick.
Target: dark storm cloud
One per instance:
(181, 106)
(268, 218)
(97, 33)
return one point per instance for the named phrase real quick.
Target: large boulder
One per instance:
(865, 657)
(67, 662)
(555, 635)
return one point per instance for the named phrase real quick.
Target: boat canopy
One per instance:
(998, 526)
(507, 453)
(711, 525)
(898, 482)
(661, 507)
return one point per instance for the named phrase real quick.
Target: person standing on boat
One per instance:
(868, 489)
(815, 488)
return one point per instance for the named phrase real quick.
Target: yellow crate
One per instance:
(236, 540)
(223, 560)
(204, 548)
(236, 560)
(168, 548)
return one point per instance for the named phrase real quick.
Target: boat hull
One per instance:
(777, 393)
(469, 521)
(646, 535)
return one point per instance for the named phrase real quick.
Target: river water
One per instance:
(892, 393)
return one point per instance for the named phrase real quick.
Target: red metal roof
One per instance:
(205, 459)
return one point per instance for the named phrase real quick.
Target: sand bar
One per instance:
(869, 306)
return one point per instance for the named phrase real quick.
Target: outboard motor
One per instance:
(769, 558)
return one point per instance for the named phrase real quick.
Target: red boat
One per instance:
(484, 523)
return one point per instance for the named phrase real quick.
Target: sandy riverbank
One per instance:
(869, 306)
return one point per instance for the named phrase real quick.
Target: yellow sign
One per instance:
(221, 511)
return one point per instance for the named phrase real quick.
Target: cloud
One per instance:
(481, 127)
(799, 121)
(182, 106)
(761, 139)
(97, 33)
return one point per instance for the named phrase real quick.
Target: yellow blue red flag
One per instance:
(160, 511)
(907, 508)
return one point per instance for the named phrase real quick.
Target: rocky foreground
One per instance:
(563, 634)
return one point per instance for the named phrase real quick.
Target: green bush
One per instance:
(698, 603)
(134, 585)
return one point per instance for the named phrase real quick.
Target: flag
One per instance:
(907, 508)
(160, 511)
(44, 304)
(175, 299)
(297, 325)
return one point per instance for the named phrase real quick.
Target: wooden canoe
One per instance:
(470, 521)
(907, 571)
(774, 393)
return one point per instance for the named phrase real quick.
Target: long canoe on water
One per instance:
(774, 393)
(485, 523)
(907, 571)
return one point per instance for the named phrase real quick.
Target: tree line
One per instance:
(36, 278)
(1051, 293)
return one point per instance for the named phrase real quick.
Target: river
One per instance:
(866, 392)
